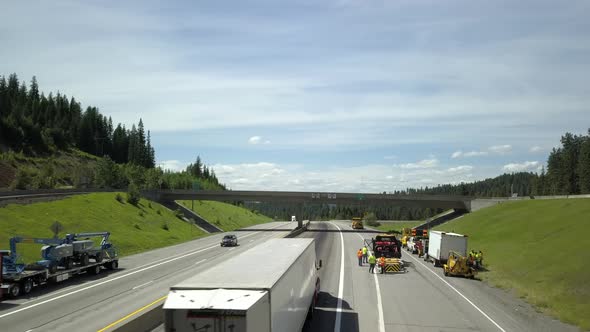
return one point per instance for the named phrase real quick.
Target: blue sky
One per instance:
(350, 95)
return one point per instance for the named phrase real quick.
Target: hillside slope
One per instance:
(133, 229)
(540, 249)
(225, 216)
(62, 169)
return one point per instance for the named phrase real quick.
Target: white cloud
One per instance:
(522, 167)
(172, 165)
(426, 163)
(535, 149)
(459, 154)
(460, 169)
(255, 140)
(456, 154)
(475, 153)
(500, 149)
(366, 178)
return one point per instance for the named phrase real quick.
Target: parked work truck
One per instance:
(440, 244)
(271, 287)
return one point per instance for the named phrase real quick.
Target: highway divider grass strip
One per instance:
(539, 249)
(228, 217)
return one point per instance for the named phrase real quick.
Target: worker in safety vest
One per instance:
(372, 261)
(382, 264)
(359, 254)
(365, 251)
(479, 259)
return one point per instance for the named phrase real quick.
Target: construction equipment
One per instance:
(458, 265)
(54, 254)
(20, 278)
(85, 249)
(357, 223)
(386, 245)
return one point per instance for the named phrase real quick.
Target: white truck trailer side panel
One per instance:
(284, 267)
(293, 293)
(440, 243)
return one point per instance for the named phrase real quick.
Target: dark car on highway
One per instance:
(229, 240)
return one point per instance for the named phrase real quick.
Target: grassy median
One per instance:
(540, 249)
(225, 216)
(133, 228)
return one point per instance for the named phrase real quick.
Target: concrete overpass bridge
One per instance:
(422, 201)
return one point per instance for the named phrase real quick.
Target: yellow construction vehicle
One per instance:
(357, 223)
(457, 265)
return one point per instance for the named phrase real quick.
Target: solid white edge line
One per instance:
(116, 278)
(463, 296)
(338, 322)
(381, 320)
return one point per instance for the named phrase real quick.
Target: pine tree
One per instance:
(584, 165)
(151, 158)
(133, 150)
(142, 153)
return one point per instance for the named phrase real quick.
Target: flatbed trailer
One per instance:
(15, 284)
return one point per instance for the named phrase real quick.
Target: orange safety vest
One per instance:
(359, 253)
(382, 261)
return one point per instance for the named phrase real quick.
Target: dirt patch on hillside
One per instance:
(7, 174)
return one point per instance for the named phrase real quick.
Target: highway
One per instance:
(90, 303)
(421, 299)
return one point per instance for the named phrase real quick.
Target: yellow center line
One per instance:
(132, 314)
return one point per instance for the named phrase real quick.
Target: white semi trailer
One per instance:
(441, 243)
(271, 287)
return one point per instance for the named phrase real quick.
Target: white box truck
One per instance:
(441, 243)
(270, 287)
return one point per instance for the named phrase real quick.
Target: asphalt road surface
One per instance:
(421, 299)
(89, 303)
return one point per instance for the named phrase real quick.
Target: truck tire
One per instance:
(27, 285)
(84, 260)
(113, 265)
(94, 270)
(14, 291)
(98, 257)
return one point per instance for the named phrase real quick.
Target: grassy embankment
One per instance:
(133, 229)
(225, 216)
(397, 226)
(538, 248)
